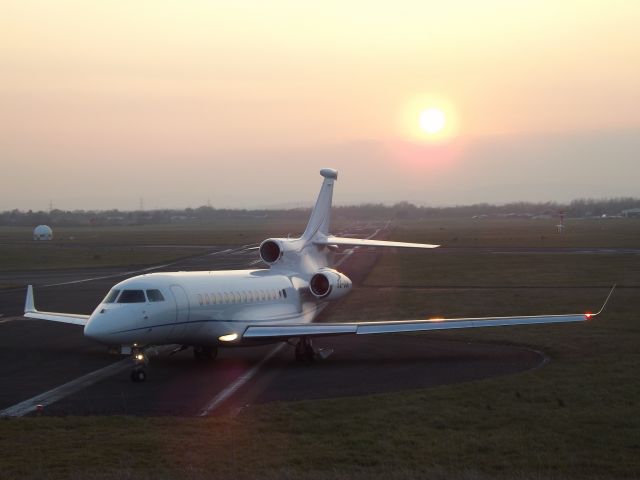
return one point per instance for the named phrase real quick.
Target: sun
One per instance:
(429, 119)
(432, 120)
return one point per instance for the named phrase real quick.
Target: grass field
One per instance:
(576, 417)
(82, 247)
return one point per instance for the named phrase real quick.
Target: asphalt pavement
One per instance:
(54, 365)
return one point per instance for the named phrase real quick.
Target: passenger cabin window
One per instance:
(132, 296)
(155, 296)
(111, 296)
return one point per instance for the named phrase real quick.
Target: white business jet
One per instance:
(207, 310)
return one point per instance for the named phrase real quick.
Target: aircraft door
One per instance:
(182, 312)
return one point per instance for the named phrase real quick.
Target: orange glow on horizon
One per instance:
(421, 155)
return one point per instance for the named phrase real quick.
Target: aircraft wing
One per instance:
(358, 242)
(369, 328)
(30, 311)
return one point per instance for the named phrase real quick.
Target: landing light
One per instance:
(140, 356)
(228, 338)
(588, 316)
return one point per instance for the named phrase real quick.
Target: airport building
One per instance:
(632, 212)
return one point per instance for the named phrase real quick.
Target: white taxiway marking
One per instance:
(113, 275)
(240, 381)
(221, 251)
(47, 398)
(142, 270)
(51, 396)
(8, 319)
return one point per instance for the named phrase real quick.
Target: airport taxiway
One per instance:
(54, 365)
(51, 355)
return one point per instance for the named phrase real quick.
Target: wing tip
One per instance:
(606, 301)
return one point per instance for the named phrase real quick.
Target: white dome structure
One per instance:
(42, 232)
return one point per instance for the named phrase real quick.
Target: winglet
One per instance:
(29, 304)
(605, 301)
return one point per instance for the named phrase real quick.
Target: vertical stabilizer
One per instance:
(321, 214)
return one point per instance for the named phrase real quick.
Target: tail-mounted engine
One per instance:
(328, 284)
(271, 250)
(296, 254)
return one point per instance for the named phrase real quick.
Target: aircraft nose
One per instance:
(94, 329)
(90, 328)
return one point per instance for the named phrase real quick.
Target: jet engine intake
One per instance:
(329, 284)
(270, 251)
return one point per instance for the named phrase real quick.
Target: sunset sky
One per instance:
(241, 103)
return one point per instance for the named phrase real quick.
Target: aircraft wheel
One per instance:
(305, 351)
(138, 375)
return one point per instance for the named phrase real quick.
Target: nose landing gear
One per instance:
(140, 361)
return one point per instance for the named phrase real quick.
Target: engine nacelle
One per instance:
(271, 250)
(328, 284)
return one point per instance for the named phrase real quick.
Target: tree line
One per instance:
(402, 210)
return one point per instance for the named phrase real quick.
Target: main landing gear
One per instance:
(140, 358)
(305, 351)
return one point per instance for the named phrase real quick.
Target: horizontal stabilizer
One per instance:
(30, 311)
(357, 242)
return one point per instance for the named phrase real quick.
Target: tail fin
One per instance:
(321, 214)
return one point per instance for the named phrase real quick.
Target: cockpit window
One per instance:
(155, 296)
(111, 296)
(132, 296)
